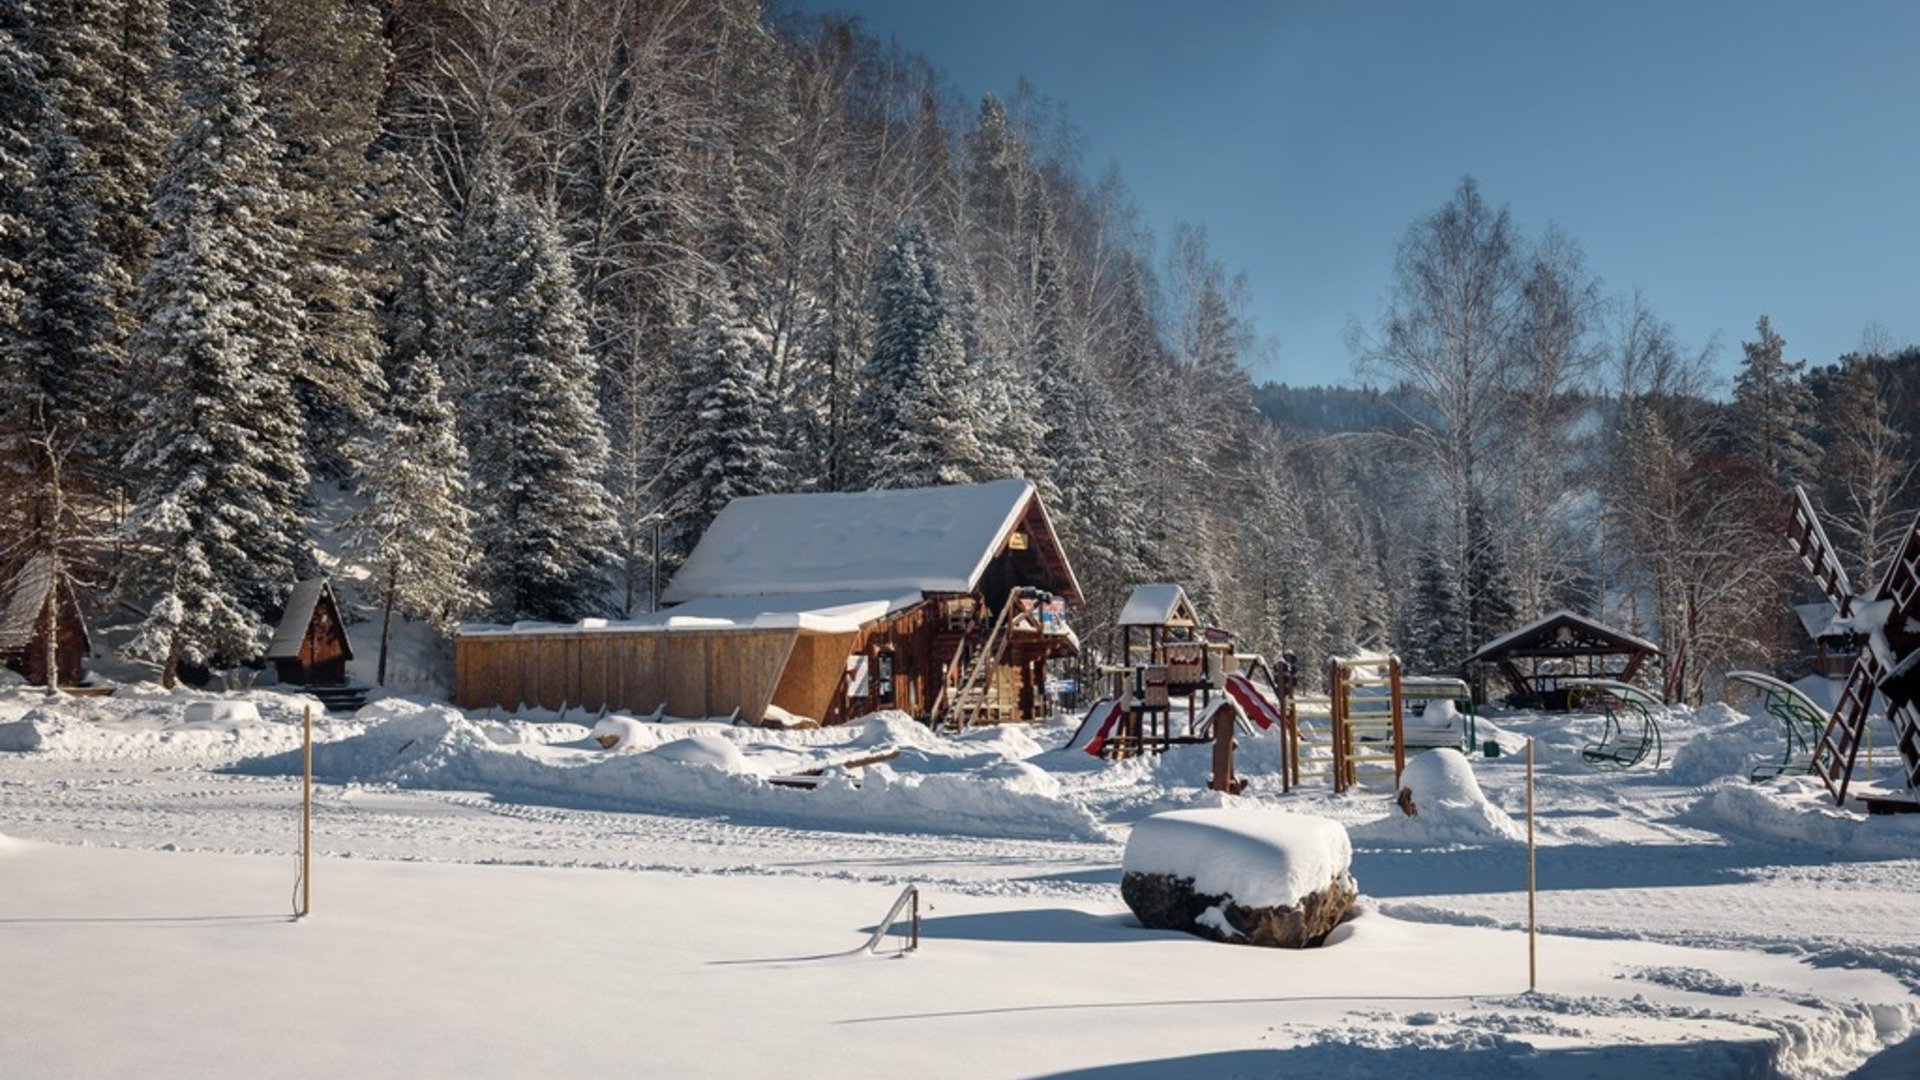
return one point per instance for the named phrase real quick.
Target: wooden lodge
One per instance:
(1827, 650)
(310, 646)
(27, 598)
(821, 607)
(1538, 659)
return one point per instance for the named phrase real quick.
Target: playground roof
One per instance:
(927, 540)
(1158, 605)
(1563, 633)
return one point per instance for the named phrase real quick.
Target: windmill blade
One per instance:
(1902, 586)
(1816, 553)
(1839, 745)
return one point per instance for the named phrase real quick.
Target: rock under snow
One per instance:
(1252, 877)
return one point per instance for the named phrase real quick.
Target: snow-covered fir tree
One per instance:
(730, 449)
(922, 422)
(106, 66)
(21, 97)
(414, 531)
(218, 529)
(68, 375)
(1773, 409)
(539, 444)
(1433, 636)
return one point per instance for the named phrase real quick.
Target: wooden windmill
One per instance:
(1888, 618)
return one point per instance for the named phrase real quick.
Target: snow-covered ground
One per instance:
(503, 896)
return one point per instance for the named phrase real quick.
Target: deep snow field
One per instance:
(503, 897)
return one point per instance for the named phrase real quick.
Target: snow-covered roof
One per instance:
(24, 601)
(1817, 618)
(924, 540)
(1562, 616)
(831, 613)
(1156, 605)
(299, 615)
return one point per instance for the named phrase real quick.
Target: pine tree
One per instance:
(323, 72)
(922, 421)
(1492, 609)
(70, 366)
(730, 450)
(1773, 410)
(415, 531)
(539, 444)
(1433, 638)
(21, 101)
(106, 64)
(217, 519)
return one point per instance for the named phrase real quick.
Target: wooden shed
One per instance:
(1538, 659)
(31, 594)
(819, 607)
(310, 646)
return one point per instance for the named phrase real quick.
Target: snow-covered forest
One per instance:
(525, 279)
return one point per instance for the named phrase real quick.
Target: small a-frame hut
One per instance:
(1831, 646)
(25, 600)
(1538, 659)
(310, 646)
(822, 606)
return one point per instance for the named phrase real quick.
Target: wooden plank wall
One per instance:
(693, 674)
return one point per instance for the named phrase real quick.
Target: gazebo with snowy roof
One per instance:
(822, 606)
(1538, 659)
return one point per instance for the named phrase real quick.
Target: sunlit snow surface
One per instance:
(501, 896)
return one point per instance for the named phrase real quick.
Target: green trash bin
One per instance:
(1490, 748)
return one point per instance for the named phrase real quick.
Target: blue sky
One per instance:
(1728, 159)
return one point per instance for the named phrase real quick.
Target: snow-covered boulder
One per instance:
(1252, 877)
(1441, 802)
(621, 732)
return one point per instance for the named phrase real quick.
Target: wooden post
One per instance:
(1533, 943)
(1223, 726)
(306, 813)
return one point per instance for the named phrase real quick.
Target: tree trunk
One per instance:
(386, 625)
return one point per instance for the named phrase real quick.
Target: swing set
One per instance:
(1802, 719)
(1631, 734)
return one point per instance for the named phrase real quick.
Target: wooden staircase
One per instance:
(981, 696)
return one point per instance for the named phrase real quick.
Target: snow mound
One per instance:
(438, 747)
(1260, 858)
(160, 724)
(1449, 807)
(1719, 742)
(221, 712)
(711, 751)
(1797, 812)
(623, 733)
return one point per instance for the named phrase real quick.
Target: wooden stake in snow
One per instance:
(1533, 943)
(306, 813)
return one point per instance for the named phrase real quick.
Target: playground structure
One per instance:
(1632, 730)
(1173, 679)
(1889, 664)
(1358, 724)
(1802, 719)
(1440, 713)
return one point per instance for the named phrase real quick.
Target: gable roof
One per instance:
(1540, 638)
(298, 616)
(926, 540)
(24, 598)
(24, 601)
(1157, 605)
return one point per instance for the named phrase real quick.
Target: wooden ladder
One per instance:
(1839, 745)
